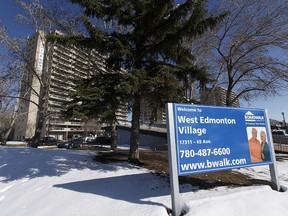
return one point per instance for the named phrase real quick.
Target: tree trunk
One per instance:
(135, 131)
(113, 137)
(38, 130)
(5, 134)
(6, 131)
(3, 138)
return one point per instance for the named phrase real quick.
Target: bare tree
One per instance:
(50, 16)
(247, 51)
(10, 77)
(4, 108)
(8, 113)
(43, 18)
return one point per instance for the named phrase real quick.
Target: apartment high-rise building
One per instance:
(149, 117)
(214, 97)
(30, 87)
(217, 97)
(58, 67)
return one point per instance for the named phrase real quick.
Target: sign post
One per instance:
(174, 182)
(207, 138)
(273, 167)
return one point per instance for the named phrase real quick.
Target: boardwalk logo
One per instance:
(250, 117)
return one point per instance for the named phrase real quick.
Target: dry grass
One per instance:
(157, 162)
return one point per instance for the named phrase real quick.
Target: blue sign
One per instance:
(215, 138)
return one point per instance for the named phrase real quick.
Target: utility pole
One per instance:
(284, 121)
(0, 121)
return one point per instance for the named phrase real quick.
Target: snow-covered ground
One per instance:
(16, 143)
(45, 182)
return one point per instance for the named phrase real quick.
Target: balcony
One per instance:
(60, 129)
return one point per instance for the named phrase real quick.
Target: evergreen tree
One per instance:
(97, 98)
(148, 39)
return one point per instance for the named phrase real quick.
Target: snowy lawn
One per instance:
(44, 182)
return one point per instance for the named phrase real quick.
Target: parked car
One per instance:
(44, 141)
(279, 132)
(102, 140)
(280, 136)
(48, 141)
(74, 143)
(89, 138)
